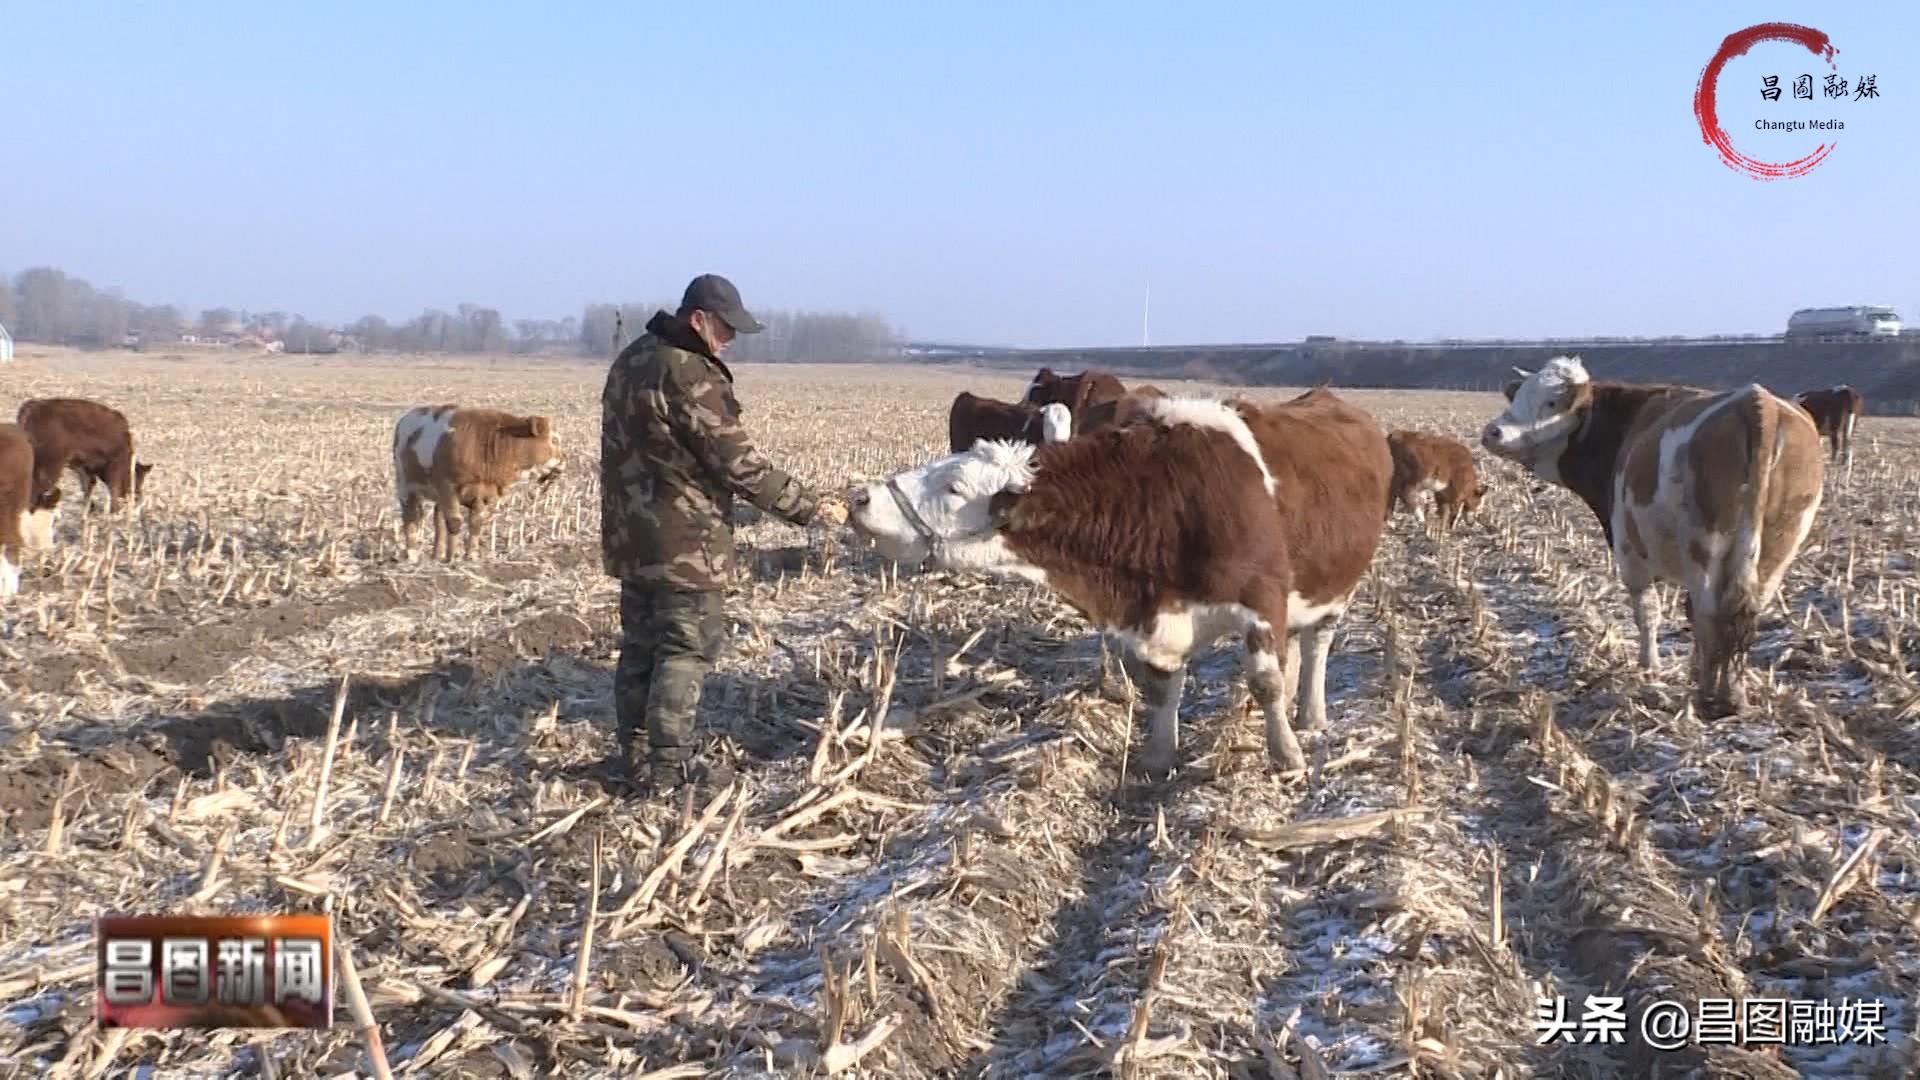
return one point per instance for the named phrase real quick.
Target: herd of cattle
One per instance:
(1170, 522)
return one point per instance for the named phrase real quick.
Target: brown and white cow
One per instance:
(26, 514)
(1712, 492)
(1077, 392)
(92, 439)
(465, 459)
(1425, 464)
(972, 418)
(1835, 411)
(1205, 519)
(1121, 411)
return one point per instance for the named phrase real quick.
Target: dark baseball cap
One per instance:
(711, 292)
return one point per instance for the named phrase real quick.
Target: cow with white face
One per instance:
(1712, 492)
(1194, 520)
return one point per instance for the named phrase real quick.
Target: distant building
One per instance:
(1873, 320)
(6, 346)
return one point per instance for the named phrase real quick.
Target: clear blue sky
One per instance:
(981, 172)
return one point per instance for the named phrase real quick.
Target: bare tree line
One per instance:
(47, 306)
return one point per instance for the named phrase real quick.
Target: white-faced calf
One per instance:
(1198, 520)
(1712, 492)
(972, 418)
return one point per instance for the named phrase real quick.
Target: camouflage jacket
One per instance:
(673, 457)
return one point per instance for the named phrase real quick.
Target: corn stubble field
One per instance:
(1502, 808)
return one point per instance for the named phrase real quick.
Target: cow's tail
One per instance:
(399, 471)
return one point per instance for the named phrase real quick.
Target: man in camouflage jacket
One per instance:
(673, 458)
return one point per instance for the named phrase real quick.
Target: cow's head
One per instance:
(1477, 490)
(1050, 386)
(1543, 409)
(946, 511)
(1056, 422)
(546, 460)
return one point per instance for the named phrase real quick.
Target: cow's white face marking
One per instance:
(1535, 425)
(1216, 415)
(1056, 422)
(952, 496)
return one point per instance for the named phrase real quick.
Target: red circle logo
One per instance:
(1703, 99)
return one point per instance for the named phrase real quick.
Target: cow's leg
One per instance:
(1160, 693)
(1315, 642)
(1646, 619)
(446, 522)
(9, 573)
(1273, 684)
(1847, 444)
(412, 509)
(478, 516)
(1641, 595)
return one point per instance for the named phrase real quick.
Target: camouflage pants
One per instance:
(669, 639)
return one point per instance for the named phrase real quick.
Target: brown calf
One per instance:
(972, 418)
(1713, 492)
(1428, 464)
(1077, 392)
(465, 459)
(1203, 519)
(92, 439)
(1835, 411)
(26, 523)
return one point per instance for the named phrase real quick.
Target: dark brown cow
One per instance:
(1077, 392)
(1835, 411)
(465, 459)
(1713, 492)
(1121, 411)
(26, 521)
(972, 418)
(92, 439)
(1428, 464)
(1204, 519)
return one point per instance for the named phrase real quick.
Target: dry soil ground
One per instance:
(1504, 809)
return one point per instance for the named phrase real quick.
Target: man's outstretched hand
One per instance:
(832, 510)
